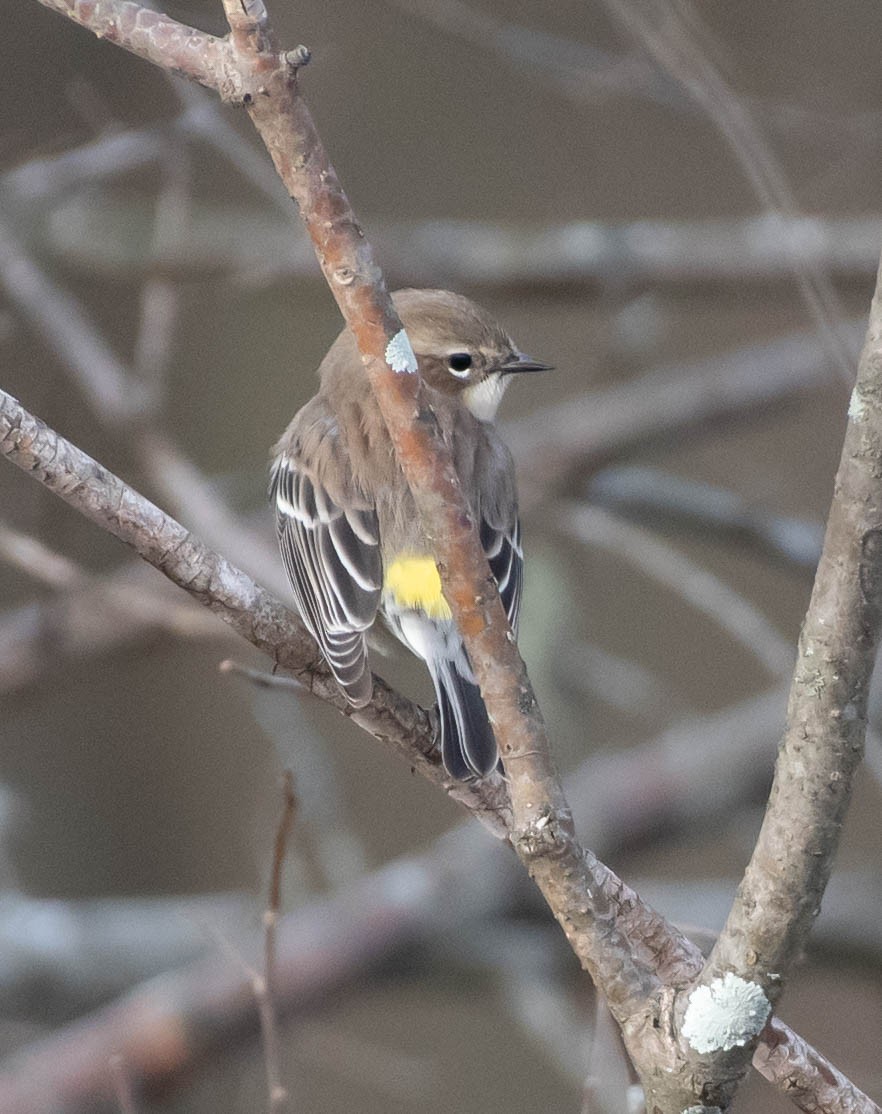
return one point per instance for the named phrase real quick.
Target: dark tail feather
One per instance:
(468, 746)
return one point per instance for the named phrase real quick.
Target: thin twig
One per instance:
(654, 494)
(104, 614)
(253, 245)
(265, 990)
(30, 556)
(124, 400)
(58, 318)
(260, 677)
(160, 299)
(156, 38)
(122, 1082)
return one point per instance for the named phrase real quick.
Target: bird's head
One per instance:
(462, 351)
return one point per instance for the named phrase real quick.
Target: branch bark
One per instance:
(230, 594)
(827, 714)
(157, 38)
(823, 743)
(606, 925)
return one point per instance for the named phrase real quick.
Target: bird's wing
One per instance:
(502, 547)
(332, 555)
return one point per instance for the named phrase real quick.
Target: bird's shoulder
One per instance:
(493, 469)
(313, 429)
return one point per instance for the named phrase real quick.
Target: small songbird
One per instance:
(348, 527)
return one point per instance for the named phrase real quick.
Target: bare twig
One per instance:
(37, 560)
(112, 612)
(266, 1002)
(586, 73)
(260, 677)
(812, 1083)
(93, 230)
(57, 317)
(156, 38)
(128, 400)
(159, 295)
(655, 494)
(125, 1093)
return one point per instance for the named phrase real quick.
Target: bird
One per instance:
(348, 528)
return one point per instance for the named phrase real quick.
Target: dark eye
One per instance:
(459, 362)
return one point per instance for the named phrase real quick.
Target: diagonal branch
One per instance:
(823, 742)
(827, 714)
(157, 38)
(617, 939)
(230, 594)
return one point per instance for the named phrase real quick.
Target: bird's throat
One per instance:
(483, 398)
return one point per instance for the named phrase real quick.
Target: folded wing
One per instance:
(502, 546)
(332, 556)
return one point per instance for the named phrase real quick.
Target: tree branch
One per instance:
(230, 594)
(157, 38)
(827, 714)
(604, 922)
(823, 742)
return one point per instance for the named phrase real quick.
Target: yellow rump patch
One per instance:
(413, 582)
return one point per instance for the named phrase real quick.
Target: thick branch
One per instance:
(604, 923)
(826, 719)
(157, 38)
(823, 744)
(809, 1080)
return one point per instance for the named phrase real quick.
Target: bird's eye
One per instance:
(459, 363)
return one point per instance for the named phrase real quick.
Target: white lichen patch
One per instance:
(400, 355)
(857, 407)
(702, 1110)
(726, 1014)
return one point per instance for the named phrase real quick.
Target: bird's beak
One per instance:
(523, 363)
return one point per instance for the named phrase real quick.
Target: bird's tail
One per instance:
(468, 746)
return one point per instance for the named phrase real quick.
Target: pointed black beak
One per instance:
(523, 363)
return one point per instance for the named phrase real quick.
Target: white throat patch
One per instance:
(483, 398)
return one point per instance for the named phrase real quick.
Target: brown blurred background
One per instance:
(137, 769)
